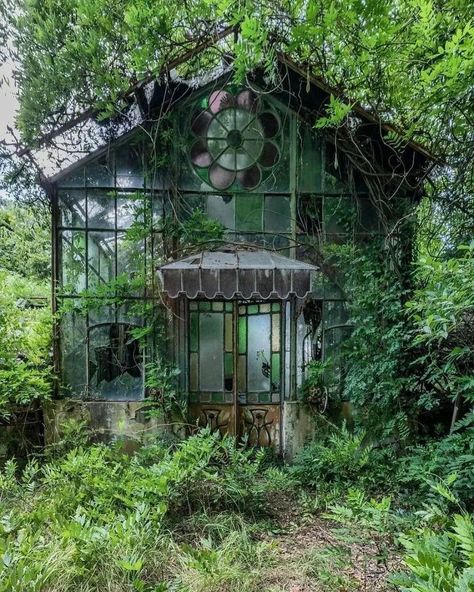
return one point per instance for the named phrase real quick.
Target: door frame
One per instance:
(204, 411)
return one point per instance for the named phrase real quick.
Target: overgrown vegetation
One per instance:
(205, 515)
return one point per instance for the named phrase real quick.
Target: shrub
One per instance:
(98, 519)
(439, 561)
(342, 460)
(437, 460)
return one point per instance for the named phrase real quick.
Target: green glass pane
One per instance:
(194, 398)
(276, 371)
(194, 332)
(252, 309)
(228, 333)
(228, 365)
(204, 306)
(275, 306)
(217, 397)
(218, 306)
(248, 213)
(193, 372)
(242, 335)
(275, 332)
(277, 213)
(242, 374)
(228, 306)
(264, 398)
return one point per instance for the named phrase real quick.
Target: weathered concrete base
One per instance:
(109, 421)
(130, 422)
(298, 426)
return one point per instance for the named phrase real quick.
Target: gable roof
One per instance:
(306, 94)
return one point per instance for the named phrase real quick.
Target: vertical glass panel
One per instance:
(288, 330)
(277, 213)
(275, 332)
(310, 160)
(242, 335)
(211, 346)
(101, 258)
(129, 166)
(193, 371)
(72, 208)
(301, 331)
(74, 179)
(194, 332)
(258, 355)
(73, 261)
(157, 210)
(131, 262)
(228, 333)
(73, 353)
(276, 372)
(130, 210)
(367, 215)
(242, 374)
(114, 362)
(221, 208)
(100, 173)
(101, 210)
(339, 215)
(134, 312)
(248, 212)
(229, 371)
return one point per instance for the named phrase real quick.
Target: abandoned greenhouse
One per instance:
(186, 255)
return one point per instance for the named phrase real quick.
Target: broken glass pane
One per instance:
(114, 362)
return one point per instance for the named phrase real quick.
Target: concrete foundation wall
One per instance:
(109, 421)
(129, 421)
(298, 428)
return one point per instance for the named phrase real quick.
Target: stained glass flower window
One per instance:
(236, 139)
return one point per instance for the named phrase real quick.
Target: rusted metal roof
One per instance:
(237, 273)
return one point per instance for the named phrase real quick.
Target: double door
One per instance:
(235, 368)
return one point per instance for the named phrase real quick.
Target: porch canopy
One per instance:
(237, 273)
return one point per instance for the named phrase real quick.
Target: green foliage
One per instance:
(25, 338)
(341, 460)
(439, 561)
(94, 518)
(25, 242)
(442, 312)
(369, 513)
(196, 233)
(435, 461)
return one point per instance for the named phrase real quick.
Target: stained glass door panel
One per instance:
(235, 369)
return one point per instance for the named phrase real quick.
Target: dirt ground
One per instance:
(317, 555)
